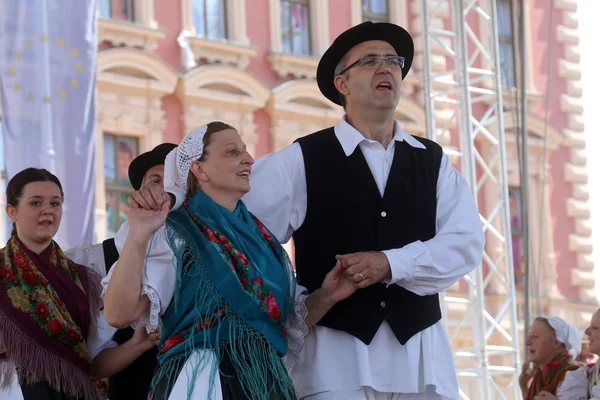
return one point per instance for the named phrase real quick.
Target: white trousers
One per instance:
(368, 393)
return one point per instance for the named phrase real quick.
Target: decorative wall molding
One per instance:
(571, 104)
(218, 92)
(130, 85)
(123, 33)
(135, 70)
(289, 65)
(298, 108)
(222, 51)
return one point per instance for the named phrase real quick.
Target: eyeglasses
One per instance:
(374, 62)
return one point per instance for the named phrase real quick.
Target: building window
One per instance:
(375, 10)
(119, 152)
(210, 19)
(507, 41)
(295, 27)
(516, 226)
(116, 9)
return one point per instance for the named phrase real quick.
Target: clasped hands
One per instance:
(355, 271)
(365, 268)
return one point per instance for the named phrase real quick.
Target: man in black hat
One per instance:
(133, 382)
(391, 208)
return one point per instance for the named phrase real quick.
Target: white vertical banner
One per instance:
(48, 54)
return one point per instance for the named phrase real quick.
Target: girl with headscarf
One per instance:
(51, 328)
(222, 284)
(551, 345)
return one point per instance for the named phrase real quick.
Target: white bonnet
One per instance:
(177, 162)
(567, 334)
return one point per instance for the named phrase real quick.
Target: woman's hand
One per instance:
(337, 286)
(144, 340)
(113, 360)
(525, 376)
(143, 223)
(545, 396)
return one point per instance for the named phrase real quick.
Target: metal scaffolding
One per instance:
(463, 94)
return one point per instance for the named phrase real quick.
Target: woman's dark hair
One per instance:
(14, 189)
(211, 129)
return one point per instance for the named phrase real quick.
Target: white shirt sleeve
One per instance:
(574, 386)
(278, 191)
(92, 256)
(103, 339)
(179, 197)
(89, 255)
(433, 266)
(159, 275)
(595, 393)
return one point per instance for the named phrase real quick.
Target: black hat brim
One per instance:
(142, 163)
(393, 34)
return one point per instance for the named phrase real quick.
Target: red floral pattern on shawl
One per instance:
(48, 307)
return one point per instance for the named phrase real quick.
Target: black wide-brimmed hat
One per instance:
(395, 35)
(142, 163)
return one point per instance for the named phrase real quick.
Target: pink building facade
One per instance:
(165, 68)
(255, 67)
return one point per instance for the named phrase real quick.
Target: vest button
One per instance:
(382, 304)
(383, 214)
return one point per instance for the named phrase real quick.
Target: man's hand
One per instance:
(149, 197)
(366, 268)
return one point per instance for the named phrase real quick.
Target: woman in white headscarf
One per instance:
(221, 284)
(551, 345)
(583, 383)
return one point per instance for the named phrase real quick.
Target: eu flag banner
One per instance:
(47, 94)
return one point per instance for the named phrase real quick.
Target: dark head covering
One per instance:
(142, 163)
(395, 35)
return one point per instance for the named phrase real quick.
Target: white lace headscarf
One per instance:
(566, 334)
(178, 161)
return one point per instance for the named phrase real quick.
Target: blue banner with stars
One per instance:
(48, 54)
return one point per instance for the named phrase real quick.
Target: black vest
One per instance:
(346, 214)
(132, 383)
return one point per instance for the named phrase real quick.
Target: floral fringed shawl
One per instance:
(233, 294)
(48, 307)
